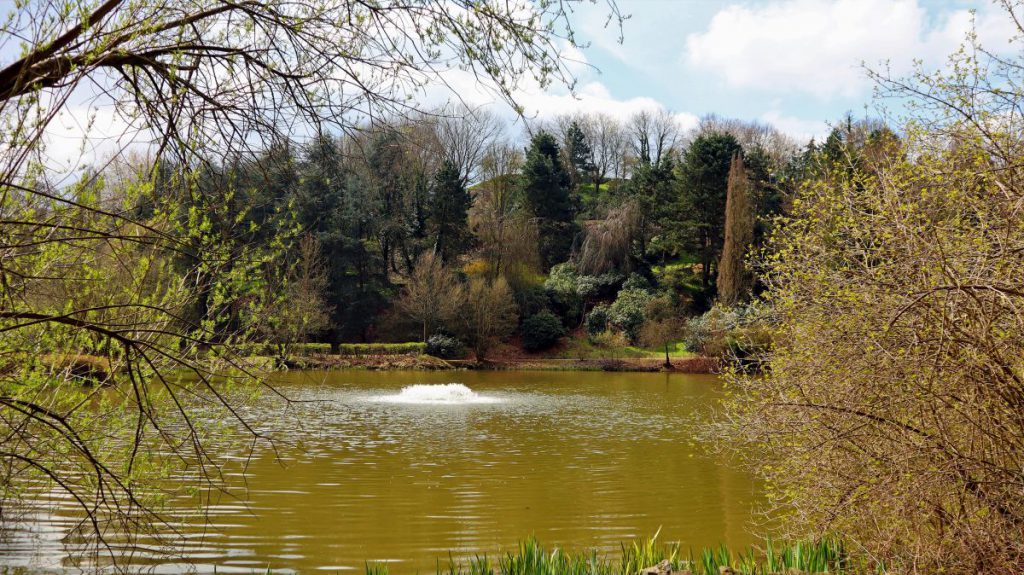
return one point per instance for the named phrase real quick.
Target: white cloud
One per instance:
(589, 96)
(592, 97)
(86, 132)
(800, 129)
(817, 46)
(80, 135)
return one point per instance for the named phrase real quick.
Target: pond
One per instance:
(579, 459)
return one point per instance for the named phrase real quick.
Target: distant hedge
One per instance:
(263, 348)
(309, 348)
(417, 347)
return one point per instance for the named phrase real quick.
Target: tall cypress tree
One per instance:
(733, 278)
(546, 187)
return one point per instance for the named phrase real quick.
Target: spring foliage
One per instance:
(893, 409)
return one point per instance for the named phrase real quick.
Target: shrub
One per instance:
(597, 321)
(562, 279)
(600, 286)
(705, 334)
(747, 346)
(541, 331)
(627, 312)
(636, 282)
(255, 348)
(489, 314)
(738, 334)
(445, 347)
(247, 349)
(569, 292)
(609, 340)
(562, 291)
(531, 300)
(87, 369)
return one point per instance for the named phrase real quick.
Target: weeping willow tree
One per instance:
(129, 284)
(893, 412)
(611, 243)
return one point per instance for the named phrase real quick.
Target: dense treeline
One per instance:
(377, 236)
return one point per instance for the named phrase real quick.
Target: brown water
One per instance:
(579, 459)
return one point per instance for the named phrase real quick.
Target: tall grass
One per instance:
(476, 565)
(532, 559)
(644, 553)
(827, 555)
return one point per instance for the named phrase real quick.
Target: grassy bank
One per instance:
(570, 354)
(584, 348)
(692, 364)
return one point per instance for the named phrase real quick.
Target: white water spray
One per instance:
(439, 393)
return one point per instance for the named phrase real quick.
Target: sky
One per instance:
(796, 64)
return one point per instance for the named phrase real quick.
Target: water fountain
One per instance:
(438, 394)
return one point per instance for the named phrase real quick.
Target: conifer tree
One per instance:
(733, 278)
(703, 178)
(577, 154)
(450, 203)
(546, 187)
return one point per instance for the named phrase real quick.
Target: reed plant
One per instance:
(476, 565)
(644, 553)
(825, 555)
(530, 557)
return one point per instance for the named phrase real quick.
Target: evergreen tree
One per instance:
(765, 191)
(448, 221)
(546, 187)
(333, 205)
(383, 173)
(704, 174)
(577, 155)
(655, 189)
(733, 278)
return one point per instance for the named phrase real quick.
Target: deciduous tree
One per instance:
(892, 409)
(432, 295)
(301, 309)
(489, 314)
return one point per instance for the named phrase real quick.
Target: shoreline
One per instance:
(691, 365)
